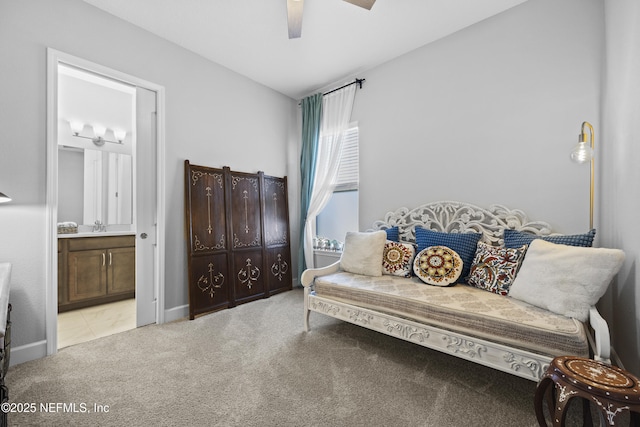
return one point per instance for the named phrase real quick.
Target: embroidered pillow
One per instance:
(438, 265)
(515, 238)
(565, 279)
(494, 268)
(362, 253)
(397, 258)
(465, 244)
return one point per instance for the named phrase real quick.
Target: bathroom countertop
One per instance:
(96, 234)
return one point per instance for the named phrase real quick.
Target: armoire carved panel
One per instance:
(237, 232)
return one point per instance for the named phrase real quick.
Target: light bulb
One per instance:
(582, 153)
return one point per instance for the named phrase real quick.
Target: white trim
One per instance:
(176, 313)
(27, 352)
(51, 281)
(51, 209)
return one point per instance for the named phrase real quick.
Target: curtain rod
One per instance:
(357, 81)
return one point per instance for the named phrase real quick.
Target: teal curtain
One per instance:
(311, 120)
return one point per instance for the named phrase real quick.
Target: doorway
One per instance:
(121, 186)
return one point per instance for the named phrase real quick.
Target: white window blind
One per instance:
(348, 171)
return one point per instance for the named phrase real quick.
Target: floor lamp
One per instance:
(582, 153)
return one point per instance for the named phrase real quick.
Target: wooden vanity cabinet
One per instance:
(95, 270)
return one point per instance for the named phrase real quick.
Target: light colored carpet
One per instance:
(253, 365)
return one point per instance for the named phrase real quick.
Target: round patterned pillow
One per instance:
(397, 258)
(438, 265)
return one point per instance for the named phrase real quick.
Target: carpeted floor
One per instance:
(253, 365)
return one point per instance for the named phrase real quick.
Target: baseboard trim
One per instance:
(176, 313)
(28, 352)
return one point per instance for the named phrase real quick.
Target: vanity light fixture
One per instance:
(582, 153)
(4, 198)
(99, 132)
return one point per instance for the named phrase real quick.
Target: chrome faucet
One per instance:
(99, 226)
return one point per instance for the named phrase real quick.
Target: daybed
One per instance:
(519, 336)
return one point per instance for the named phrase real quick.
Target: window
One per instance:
(341, 212)
(348, 171)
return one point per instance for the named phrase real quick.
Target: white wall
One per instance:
(214, 117)
(618, 157)
(490, 114)
(487, 115)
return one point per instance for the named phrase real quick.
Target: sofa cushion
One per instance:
(438, 266)
(464, 244)
(565, 279)
(515, 238)
(362, 253)
(397, 258)
(494, 268)
(461, 308)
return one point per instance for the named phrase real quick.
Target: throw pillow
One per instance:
(397, 258)
(515, 238)
(393, 234)
(464, 244)
(438, 265)
(565, 279)
(362, 253)
(494, 268)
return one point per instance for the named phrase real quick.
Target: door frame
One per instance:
(54, 57)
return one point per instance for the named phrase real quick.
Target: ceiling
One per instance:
(338, 39)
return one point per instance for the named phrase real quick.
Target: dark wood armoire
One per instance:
(237, 233)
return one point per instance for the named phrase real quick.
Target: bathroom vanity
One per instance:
(95, 269)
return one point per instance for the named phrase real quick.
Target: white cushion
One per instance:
(564, 279)
(362, 253)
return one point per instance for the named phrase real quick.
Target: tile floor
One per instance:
(89, 323)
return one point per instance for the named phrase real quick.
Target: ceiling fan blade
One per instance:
(367, 4)
(294, 18)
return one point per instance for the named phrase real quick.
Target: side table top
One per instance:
(594, 376)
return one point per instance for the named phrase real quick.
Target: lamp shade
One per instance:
(99, 131)
(76, 127)
(4, 198)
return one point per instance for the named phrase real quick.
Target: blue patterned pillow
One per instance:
(514, 239)
(465, 244)
(393, 234)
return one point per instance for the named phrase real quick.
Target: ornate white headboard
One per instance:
(450, 216)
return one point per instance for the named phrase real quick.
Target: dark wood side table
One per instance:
(610, 388)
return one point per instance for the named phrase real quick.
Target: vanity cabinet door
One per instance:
(121, 273)
(87, 275)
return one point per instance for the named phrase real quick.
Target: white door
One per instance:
(146, 198)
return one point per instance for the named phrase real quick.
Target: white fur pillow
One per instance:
(564, 279)
(362, 253)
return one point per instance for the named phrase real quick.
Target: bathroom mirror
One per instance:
(94, 185)
(96, 145)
